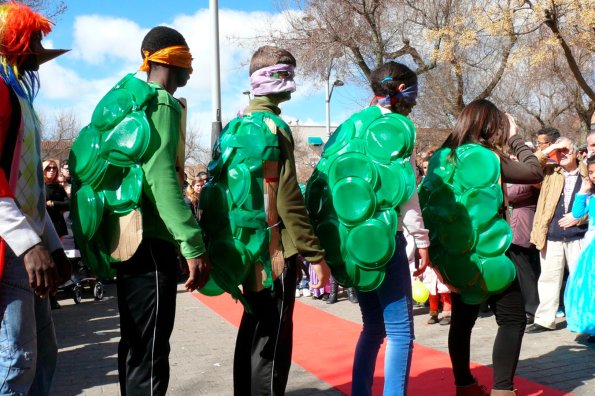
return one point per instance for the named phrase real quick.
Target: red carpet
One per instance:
(430, 370)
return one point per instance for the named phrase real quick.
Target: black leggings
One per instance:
(265, 339)
(508, 307)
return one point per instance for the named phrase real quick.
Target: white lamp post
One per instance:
(329, 93)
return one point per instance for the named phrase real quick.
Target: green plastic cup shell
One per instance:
(352, 165)
(111, 109)
(126, 143)
(391, 186)
(333, 238)
(476, 166)
(123, 195)
(211, 288)
(371, 244)
(90, 207)
(494, 239)
(354, 200)
(239, 182)
(498, 273)
(339, 139)
(482, 204)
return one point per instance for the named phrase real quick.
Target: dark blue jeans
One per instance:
(386, 312)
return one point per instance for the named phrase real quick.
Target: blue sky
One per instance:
(105, 37)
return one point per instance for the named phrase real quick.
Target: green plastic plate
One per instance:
(354, 200)
(89, 210)
(126, 143)
(111, 109)
(371, 244)
(355, 165)
(494, 239)
(482, 203)
(476, 166)
(239, 181)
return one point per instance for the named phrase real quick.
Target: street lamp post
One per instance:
(329, 93)
(247, 93)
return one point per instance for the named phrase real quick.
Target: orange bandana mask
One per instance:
(177, 55)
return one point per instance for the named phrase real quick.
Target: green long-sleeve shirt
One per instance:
(297, 234)
(165, 214)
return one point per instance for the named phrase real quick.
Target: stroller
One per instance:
(81, 277)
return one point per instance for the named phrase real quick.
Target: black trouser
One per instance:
(526, 261)
(147, 304)
(265, 338)
(510, 316)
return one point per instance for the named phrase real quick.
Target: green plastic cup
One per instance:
(476, 166)
(111, 109)
(482, 204)
(371, 244)
(354, 200)
(352, 165)
(494, 239)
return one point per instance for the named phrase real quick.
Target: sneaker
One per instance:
(306, 292)
(560, 314)
(433, 320)
(445, 320)
(298, 293)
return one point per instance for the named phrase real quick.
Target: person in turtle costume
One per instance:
(256, 224)
(360, 197)
(128, 208)
(464, 203)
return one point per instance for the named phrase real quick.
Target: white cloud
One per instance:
(107, 47)
(98, 38)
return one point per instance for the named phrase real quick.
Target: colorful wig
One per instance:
(17, 24)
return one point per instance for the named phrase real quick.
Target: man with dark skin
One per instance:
(32, 260)
(147, 281)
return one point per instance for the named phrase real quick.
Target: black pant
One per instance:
(526, 261)
(147, 303)
(510, 316)
(265, 338)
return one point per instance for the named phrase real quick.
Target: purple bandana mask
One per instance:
(265, 81)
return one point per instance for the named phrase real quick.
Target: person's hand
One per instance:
(586, 186)
(514, 129)
(323, 273)
(568, 221)
(49, 203)
(424, 256)
(41, 269)
(199, 269)
(62, 265)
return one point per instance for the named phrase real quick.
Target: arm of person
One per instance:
(527, 170)
(414, 223)
(161, 184)
(62, 203)
(291, 208)
(579, 207)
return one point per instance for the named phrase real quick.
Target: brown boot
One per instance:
(503, 392)
(472, 390)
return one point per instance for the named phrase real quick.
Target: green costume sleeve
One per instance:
(170, 213)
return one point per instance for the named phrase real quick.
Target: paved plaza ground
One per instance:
(203, 342)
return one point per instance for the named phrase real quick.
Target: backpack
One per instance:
(354, 193)
(462, 200)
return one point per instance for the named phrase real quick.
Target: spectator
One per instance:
(522, 198)
(591, 143)
(57, 201)
(580, 315)
(556, 233)
(65, 174)
(31, 255)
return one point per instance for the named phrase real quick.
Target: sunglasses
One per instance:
(50, 168)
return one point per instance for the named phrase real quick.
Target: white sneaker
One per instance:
(298, 293)
(306, 292)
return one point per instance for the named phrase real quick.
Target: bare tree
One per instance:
(49, 8)
(57, 142)
(197, 154)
